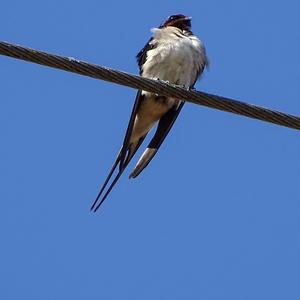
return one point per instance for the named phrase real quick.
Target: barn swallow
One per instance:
(172, 54)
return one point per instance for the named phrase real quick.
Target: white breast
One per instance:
(176, 58)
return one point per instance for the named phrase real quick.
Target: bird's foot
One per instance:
(186, 87)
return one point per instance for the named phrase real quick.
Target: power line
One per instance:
(155, 86)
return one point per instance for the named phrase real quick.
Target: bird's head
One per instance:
(180, 21)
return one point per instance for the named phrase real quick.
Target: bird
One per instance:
(172, 54)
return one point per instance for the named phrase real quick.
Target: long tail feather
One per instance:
(107, 179)
(124, 155)
(110, 187)
(129, 154)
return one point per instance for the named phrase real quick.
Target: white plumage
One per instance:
(177, 58)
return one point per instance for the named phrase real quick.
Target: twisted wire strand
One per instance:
(155, 86)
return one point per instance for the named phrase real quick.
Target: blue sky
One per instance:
(217, 213)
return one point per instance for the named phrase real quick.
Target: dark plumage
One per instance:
(180, 21)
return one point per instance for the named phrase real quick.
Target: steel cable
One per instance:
(155, 86)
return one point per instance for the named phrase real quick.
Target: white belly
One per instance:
(176, 58)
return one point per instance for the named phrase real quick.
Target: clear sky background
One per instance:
(217, 213)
